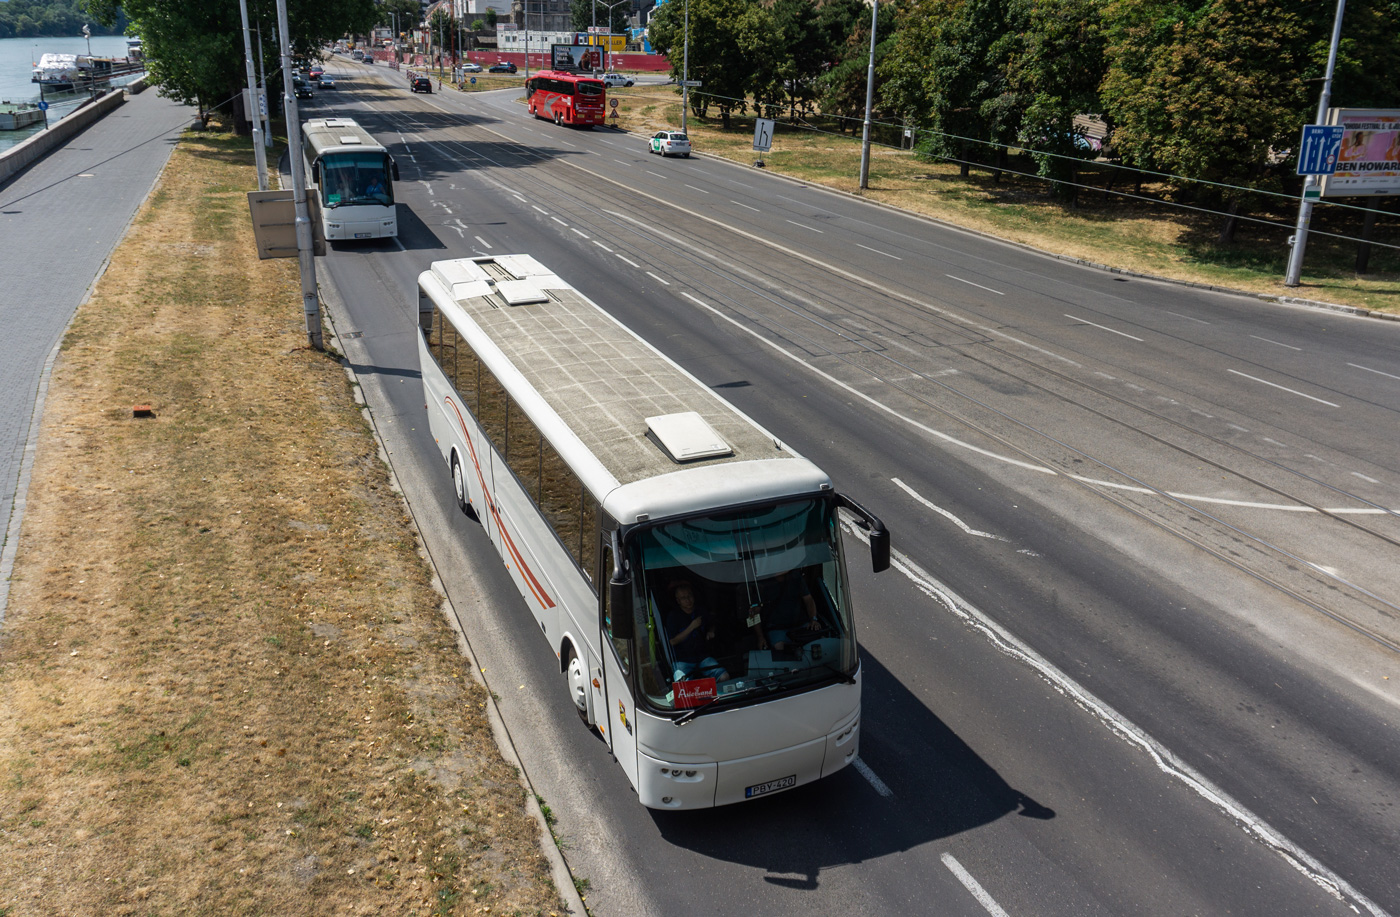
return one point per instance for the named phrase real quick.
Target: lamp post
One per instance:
(869, 99)
(310, 299)
(610, 7)
(259, 154)
(685, 71)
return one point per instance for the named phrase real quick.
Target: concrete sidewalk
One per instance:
(60, 220)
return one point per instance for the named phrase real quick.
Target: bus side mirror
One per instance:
(394, 169)
(879, 547)
(316, 173)
(620, 609)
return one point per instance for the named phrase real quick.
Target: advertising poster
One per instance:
(575, 57)
(1368, 162)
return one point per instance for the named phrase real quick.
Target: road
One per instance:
(1139, 654)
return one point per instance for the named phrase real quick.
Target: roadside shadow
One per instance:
(940, 787)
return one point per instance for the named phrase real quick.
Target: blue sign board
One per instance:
(43, 106)
(1318, 153)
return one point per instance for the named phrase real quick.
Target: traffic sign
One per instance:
(473, 81)
(43, 106)
(1317, 154)
(762, 135)
(693, 84)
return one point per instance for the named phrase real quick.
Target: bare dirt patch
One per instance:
(226, 684)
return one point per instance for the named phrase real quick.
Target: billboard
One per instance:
(1368, 162)
(575, 57)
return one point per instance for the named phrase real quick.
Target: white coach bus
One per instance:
(352, 177)
(684, 565)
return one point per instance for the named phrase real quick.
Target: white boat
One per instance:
(57, 71)
(17, 115)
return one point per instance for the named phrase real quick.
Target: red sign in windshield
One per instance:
(694, 693)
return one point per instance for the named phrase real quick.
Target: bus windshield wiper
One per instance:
(769, 684)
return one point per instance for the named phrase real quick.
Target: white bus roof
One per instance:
(326, 135)
(634, 414)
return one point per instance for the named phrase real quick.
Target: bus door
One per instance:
(620, 723)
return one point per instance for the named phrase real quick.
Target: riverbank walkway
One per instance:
(60, 221)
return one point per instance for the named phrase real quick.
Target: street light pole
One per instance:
(685, 71)
(310, 300)
(259, 154)
(1300, 234)
(869, 100)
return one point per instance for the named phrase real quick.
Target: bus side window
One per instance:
(491, 398)
(568, 508)
(468, 374)
(447, 358)
(523, 450)
(435, 335)
(622, 647)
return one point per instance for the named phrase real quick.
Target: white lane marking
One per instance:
(540, 209)
(1029, 466)
(579, 232)
(1187, 317)
(1275, 343)
(650, 172)
(805, 226)
(972, 885)
(650, 274)
(519, 198)
(943, 512)
(608, 142)
(483, 242)
(1102, 327)
(740, 184)
(601, 245)
(1281, 388)
(1370, 370)
(878, 252)
(559, 221)
(977, 285)
(875, 781)
(565, 142)
(1364, 477)
(621, 163)
(693, 188)
(1166, 761)
(747, 207)
(628, 260)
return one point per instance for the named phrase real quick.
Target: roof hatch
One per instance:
(687, 437)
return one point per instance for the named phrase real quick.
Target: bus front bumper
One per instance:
(370, 229)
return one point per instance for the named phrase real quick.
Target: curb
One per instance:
(559, 868)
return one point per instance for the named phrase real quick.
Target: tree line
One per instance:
(1213, 90)
(52, 19)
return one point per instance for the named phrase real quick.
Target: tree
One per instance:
(407, 13)
(842, 86)
(726, 49)
(587, 13)
(1057, 76)
(442, 31)
(33, 18)
(1208, 89)
(194, 51)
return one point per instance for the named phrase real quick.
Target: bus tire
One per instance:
(459, 485)
(578, 683)
(556, 119)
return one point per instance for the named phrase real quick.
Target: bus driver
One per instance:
(690, 632)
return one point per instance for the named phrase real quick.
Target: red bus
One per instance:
(567, 98)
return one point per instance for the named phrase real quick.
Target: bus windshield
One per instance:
(355, 178)
(590, 88)
(742, 604)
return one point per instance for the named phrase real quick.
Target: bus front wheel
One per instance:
(459, 484)
(578, 684)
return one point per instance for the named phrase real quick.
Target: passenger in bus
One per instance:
(788, 609)
(375, 186)
(690, 633)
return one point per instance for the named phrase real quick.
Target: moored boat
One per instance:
(17, 115)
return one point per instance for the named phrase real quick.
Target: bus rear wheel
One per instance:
(556, 119)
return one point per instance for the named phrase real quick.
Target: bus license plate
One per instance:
(758, 789)
(363, 235)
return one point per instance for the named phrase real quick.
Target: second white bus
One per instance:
(683, 564)
(352, 178)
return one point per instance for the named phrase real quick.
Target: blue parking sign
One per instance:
(1317, 155)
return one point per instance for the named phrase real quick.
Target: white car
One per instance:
(613, 80)
(670, 143)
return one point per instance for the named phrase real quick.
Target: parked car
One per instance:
(417, 82)
(504, 66)
(471, 67)
(613, 80)
(670, 143)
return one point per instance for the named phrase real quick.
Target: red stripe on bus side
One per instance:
(540, 595)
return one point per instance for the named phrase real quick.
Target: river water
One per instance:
(17, 59)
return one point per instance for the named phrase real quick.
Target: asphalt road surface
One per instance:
(1139, 651)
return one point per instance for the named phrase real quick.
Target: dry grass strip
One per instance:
(226, 685)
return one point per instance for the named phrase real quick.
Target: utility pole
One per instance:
(869, 100)
(262, 80)
(259, 154)
(310, 299)
(1305, 206)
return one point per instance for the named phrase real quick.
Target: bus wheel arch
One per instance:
(459, 484)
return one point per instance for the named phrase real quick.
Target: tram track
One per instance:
(755, 282)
